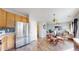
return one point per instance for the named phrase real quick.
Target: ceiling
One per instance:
(46, 14)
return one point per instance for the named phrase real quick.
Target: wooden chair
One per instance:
(51, 38)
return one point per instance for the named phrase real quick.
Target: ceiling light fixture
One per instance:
(54, 20)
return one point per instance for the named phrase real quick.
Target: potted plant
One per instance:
(50, 31)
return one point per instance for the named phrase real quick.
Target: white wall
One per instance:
(33, 30)
(42, 31)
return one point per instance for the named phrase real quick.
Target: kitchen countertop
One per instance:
(9, 33)
(6, 34)
(2, 36)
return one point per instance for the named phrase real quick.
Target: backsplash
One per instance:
(7, 30)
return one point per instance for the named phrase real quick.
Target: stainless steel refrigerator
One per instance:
(22, 34)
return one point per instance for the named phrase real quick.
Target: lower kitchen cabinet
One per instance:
(10, 41)
(4, 43)
(7, 42)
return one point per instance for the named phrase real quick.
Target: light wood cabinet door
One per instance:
(2, 18)
(18, 18)
(27, 19)
(23, 19)
(10, 20)
(4, 43)
(10, 41)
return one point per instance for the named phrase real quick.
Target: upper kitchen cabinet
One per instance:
(2, 18)
(27, 19)
(23, 19)
(18, 18)
(10, 20)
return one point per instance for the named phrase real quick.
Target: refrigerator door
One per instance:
(26, 33)
(19, 34)
(19, 42)
(19, 29)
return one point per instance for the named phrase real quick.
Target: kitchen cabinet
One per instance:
(27, 19)
(2, 18)
(10, 20)
(23, 19)
(18, 18)
(7, 42)
(10, 41)
(4, 43)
